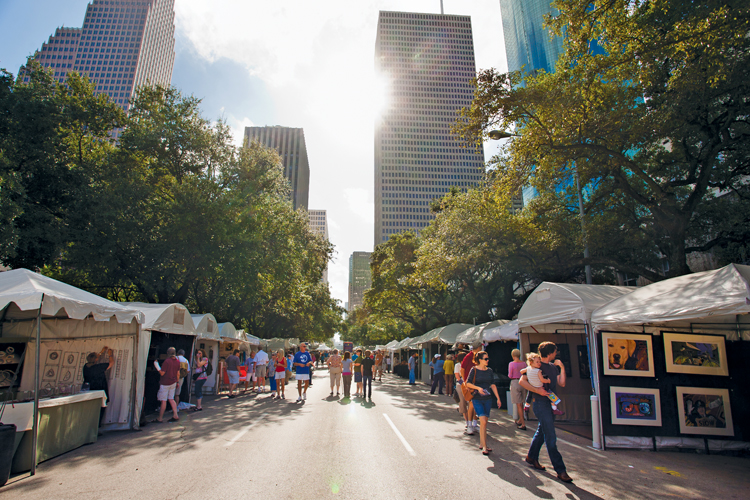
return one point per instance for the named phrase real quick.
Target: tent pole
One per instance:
(135, 418)
(191, 360)
(35, 424)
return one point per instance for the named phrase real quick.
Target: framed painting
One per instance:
(704, 411)
(627, 354)
(695, 354)
(635, 406)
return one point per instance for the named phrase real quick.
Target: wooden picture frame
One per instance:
(704, 411)
(635, 406)
(627, 354)
(696, 354)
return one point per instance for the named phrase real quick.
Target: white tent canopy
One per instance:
(505, 331)
(166, 318)
(206, 326)
(25, 289)
(566, 302)
(443, 335)
(478, 332)
(716, 296)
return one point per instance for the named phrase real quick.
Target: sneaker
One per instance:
(337, 393)
(304, 396)
(273, 395)
(331, 394)
(283, 397)
(469, 431)
(299, 399)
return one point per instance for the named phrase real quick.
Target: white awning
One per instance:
(479, 332)
(719, 295)
(166, 318)
(506, 331)
(206, 326)
(25, 289)
(567, 302)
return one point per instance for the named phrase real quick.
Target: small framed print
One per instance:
(695, 354)
(627, 354)
(704, 411)
(635, 406)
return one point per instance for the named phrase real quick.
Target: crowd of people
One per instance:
(465, 375)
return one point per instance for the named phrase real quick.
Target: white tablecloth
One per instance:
(22, 414)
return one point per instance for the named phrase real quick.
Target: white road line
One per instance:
(400, 436)
(244, 431)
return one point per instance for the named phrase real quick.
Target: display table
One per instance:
(65, 423)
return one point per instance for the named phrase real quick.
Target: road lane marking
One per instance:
(400, 436)
(244, 431)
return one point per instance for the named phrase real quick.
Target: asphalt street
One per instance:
(406, 444)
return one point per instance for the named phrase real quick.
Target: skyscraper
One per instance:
(428, 60)
(360, 279)
(319, 225)
(290, 143)
(527, 42)
(123, 44)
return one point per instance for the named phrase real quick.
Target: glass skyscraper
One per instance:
(527, 43)
(122, 45)
(428, 60)
(360, 279)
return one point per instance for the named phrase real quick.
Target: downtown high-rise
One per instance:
(428, 62)
(319, 225)
(290, 144)
(360, 279)
(122, 45)
(528, 44)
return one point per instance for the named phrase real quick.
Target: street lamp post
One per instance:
(496, 135)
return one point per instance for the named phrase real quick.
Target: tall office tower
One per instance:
(290, 143)
(428, 60)
(122, 45)
(319, 225)
(527, 42)
(360, 279)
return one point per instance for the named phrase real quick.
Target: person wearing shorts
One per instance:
(280, 375)
(169, 371)
(233, 371)
(481, 380)
(517, 393)
(261, 369)
(357, 367)
(302, 360)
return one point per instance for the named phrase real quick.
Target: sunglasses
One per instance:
(484, 359)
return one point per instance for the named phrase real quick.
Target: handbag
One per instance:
(468, 393)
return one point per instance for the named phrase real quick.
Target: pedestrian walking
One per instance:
(462, 406)
(368, 370)
(250, 370)
(357, 367)
(303, 361)
(280, 376)
(413, 369)
(466, 365)
(184, 372)
(346, 373)
(517, 393)
(554, 370)
(261, 369)
(169, 371)
(388, 364)
(481, 380)
(334, 370)
(271, 372)
(233, 371)
(448, 370)
(438, 374)
(378, 365)
(200, 376)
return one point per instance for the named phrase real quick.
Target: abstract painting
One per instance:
(704, 411)
(635, 406)
(695, 354)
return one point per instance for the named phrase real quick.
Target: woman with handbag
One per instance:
(334, 363)
(200, 377)
(480, 381)
(462, 407)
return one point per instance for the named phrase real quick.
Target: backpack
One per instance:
(208, 368)
(183, 369)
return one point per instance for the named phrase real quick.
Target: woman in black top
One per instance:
(481, 380)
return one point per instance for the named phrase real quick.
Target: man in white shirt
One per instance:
(184, 363)
(261, 366)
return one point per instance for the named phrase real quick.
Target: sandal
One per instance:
(522, 428)
(486, 452)
(155, 421)
(173, 420)
(488, 449)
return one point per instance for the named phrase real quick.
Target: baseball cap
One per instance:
(437, 355)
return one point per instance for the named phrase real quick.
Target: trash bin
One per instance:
(7, 438)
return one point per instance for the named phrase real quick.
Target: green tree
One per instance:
(649, 106)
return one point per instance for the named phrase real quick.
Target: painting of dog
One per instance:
(627, 354)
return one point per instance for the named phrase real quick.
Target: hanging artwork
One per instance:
(704, 411)
(583, 361)
(627, 354)
(54, 356)
(695, 354)
(635, 406)
(50, 373)
(70, 359)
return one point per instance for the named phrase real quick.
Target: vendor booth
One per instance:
(673, 369)
(561, 313)
(436, 341)
(209, 340)
(166, 325)
(47, 330)
(401, 349)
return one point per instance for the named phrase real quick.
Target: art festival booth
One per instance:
(208, 339)
(561, 313)
(47, 331)
(401, 348)
(673, 369)
(166, 325)
(436, 341)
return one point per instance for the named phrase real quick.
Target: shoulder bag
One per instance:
(468, 393)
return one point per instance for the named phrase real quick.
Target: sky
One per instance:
(295, 63)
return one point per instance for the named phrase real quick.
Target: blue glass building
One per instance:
(528, 44)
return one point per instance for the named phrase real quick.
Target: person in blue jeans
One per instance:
(438, 374)
(545, 434)
(412, 369)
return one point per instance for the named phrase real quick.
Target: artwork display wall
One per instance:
(695, 354)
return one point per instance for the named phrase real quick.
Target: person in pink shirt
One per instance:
(517, 395)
